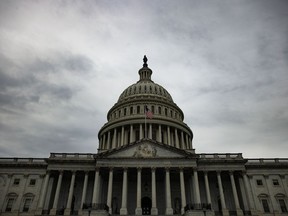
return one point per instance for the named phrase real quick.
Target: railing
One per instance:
(267, 160)
(72, 155)
(22, 160)
(197, 206)
(221, 156)
(95, 206)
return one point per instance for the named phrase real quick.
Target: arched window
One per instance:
(281, 198)
(138, 109)
(131, 110)
(27, 202)
(265, 202)
(159, 110)
(10, 200)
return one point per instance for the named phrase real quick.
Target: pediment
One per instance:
(146, 149)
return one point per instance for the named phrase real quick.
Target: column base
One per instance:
(239, 212)
(95, 213)
(123, 211)
(169, 211)
(67, 211)
(52, 211)
(38, 211)
(194, 213)
(138, 211)
(154, 211)
(225, 212)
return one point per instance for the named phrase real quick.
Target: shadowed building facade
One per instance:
(145, 165)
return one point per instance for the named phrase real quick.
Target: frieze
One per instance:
(145, 151)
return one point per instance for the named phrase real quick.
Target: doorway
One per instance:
(146, 205)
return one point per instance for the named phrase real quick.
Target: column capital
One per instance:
(125, 169)
(167, 169)
(218, 172)
(73, 172)
(205, 172)
(244, 172)
(111, 169)
(26, 175)
(231, 172)
(266, 176)
(195, 169)
(60, 171)
(282, 176)
(153, 169)
(86, 172)
(181, 168)
(139, 169)
(97, 169)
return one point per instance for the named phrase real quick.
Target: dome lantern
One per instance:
(145, 72)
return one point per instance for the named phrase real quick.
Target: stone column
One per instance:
(182, 187)
(222, 198)
(114, 138)
(176, 138)
(154, 210)
(169, 210)
(168, 135)
(208, 194)
(141, 131)
(196, 186)
(235, 194)
(138, 210)
(108, 140)
(123, 210)
(248, 194)
(109, 193)
(182, 141)
(104, 141)
(84, 191)
(150, 131)
(96, 187)
(70, 196)
(122, 136)
(187, 142)
(131, 134)
(159, 134)
(57, 193)
(43, 194)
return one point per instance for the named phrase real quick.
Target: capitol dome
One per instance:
(127, 122)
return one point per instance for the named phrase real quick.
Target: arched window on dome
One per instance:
(131, 110)
(125, 111)
(145, 88)
(152, 109)
(166, 111)
(138, 109)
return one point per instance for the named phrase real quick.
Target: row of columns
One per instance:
(138, 210)
(116, 138)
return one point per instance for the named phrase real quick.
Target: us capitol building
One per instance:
(145, 165)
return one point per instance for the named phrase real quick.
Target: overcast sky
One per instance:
(63, 65)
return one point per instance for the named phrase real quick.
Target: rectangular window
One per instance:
(32, 182)
(259, 182)
(16, 181)
(9, 204)
(265, 205)
(275, 182)
(283, 205)
(27, 204)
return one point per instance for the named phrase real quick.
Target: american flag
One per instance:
(148, 113)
